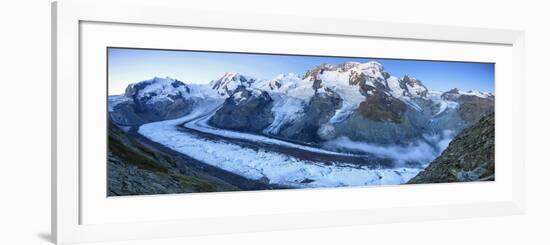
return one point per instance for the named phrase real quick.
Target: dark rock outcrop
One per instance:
(124, 113)
(452, 95)
(244, 110)
(471, 107)
(360, 128)
(382, 108)
(314, 73)
(409, 82)
(469, 157)
(320, 109)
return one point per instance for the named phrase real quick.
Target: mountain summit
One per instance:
(151, 100)
(229, 82)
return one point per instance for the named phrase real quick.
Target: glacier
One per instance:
(259, 164)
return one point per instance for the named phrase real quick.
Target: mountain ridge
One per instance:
(360, 101)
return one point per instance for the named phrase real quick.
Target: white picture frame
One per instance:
(69, 200)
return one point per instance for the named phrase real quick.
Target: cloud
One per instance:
(421, 151)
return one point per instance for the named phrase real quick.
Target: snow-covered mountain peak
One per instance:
(156, 80)
(371, 67)
(281, 83)
(288, 76)
(414, 87)
(477, 93)
(235, 77)
(370, 72)
(157, 88)
(454, 94)
(228, 82)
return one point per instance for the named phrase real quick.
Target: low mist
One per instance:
(422, 151)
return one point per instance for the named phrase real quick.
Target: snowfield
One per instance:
(285, 110)
(475, 93)
(351, 95)
(263, 165)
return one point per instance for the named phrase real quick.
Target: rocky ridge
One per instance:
(469, 157)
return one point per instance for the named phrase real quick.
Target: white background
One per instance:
(25, 124)
(96, 209)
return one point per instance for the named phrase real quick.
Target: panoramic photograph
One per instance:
(183, 121)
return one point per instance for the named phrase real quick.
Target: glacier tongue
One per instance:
(261, 164)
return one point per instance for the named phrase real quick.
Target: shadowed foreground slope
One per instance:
(469, 157)
(137, 169)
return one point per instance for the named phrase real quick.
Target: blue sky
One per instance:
(133, 65)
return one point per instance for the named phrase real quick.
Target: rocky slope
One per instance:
(229, 82)
(245, 110)
(469, 157)
(137, 169)
(472, 104)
